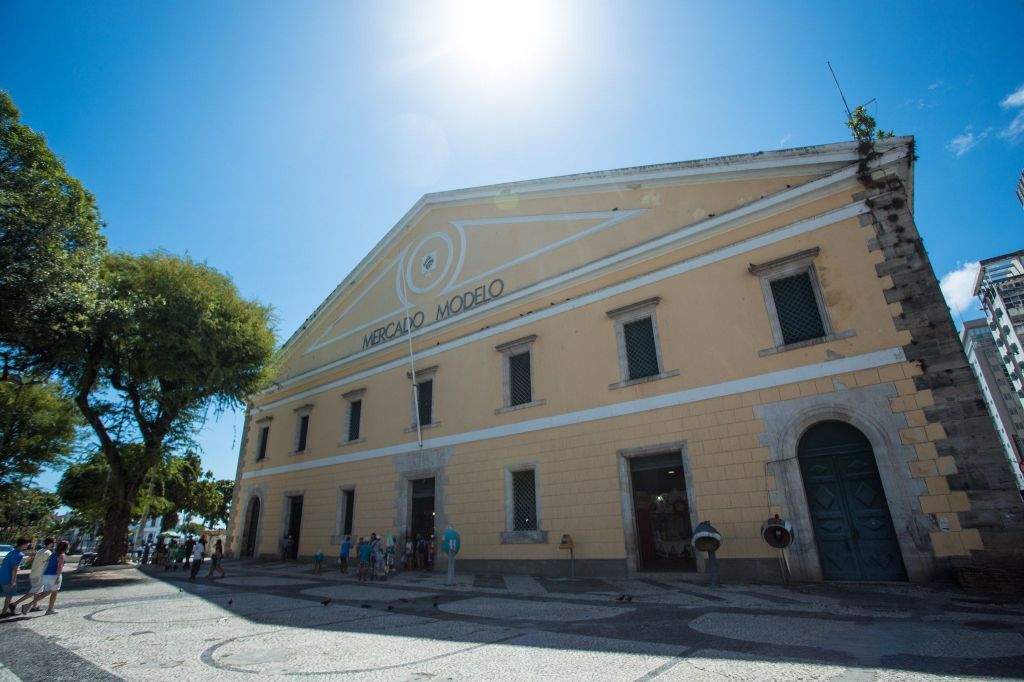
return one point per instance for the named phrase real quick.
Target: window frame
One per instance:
(522, 537)
(799, 263)
(422, 376)
(635, 312)
(302, 412)
(262, 444)
(509, 350)
(350, 398)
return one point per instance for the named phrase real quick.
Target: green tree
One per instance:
(84, 487)
(27, 513)
(173, 339)
(863, 126)
(50, 248)
(37, 428)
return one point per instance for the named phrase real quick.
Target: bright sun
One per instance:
(501, 38)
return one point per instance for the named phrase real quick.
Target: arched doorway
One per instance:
(251, 526)
(849, 513)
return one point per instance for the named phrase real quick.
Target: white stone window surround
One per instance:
(425, 374)
(350, 397)
(300, 412)
(789, 266)
(631, 313)
(262, 424)
(508, 350)
(522, 537)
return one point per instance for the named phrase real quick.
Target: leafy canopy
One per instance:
(37, 429)
(50, 246)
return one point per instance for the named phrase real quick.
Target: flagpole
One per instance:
(412, 360)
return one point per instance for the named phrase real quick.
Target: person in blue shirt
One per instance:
(346, 549)
(51, 582)
(9, 575)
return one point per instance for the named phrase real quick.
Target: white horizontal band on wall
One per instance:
(759, 382)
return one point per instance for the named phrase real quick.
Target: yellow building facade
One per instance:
(621, 355)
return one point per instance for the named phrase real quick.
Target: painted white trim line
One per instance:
(762, 381)
(781, 234)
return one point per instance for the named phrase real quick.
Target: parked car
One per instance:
(4, 549)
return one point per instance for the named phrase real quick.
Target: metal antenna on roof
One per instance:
(849, 115)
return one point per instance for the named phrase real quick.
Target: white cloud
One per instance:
(958, 288)
(935, 86)
(966, 141)
(785, 138)
(1014, 99)
(1015, 131)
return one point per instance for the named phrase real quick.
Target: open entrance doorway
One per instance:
(664, 529)
(294, 526)
(422, 509)
(251, 526)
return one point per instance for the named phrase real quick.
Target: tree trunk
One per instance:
(114, 547)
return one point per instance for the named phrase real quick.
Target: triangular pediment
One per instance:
(459, 253)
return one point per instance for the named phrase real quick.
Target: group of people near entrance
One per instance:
(44, 577)
(377, 557)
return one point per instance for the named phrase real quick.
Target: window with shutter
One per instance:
(425, 401)
(524, 500)
(355, 414)
(797, 308)
(520, 385)
(641, 351)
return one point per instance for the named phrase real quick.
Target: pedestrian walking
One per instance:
(217, 560)
(190, 545)
(198, 551)
(407, 559)
(318, 561)
(346, 548)
(421, 552)
(364, 552)
(9, 575)
(286, 548)
(51, 581)
(35, 579)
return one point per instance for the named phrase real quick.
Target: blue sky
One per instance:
(280, 141)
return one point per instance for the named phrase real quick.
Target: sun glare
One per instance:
(501, 38)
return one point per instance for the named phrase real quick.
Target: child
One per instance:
(9, 575)
(318, 561)
(51, 580)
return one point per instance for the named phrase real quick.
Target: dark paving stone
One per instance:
(575, 585)
(493, 582)
(768, 597)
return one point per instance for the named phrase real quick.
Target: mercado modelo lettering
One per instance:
(457, 304)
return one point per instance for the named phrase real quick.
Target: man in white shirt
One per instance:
(197, 556)
(35, 577)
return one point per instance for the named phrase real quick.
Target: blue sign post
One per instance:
(451, 543)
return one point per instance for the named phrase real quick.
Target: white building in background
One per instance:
(997, 387)
(1000, 285)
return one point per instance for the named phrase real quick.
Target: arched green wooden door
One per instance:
(849, 512)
